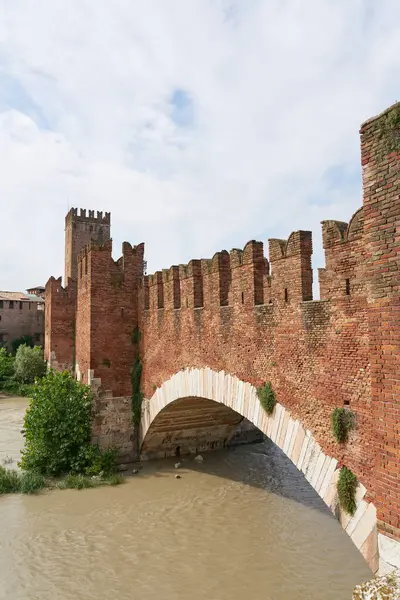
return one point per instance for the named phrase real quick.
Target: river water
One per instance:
(244, 524)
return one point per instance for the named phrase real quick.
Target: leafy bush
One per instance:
(342, 421)
(267, 398)
(57, 429)
(96, 461)
(29, 364)
(26, 340)
(6, 368)
(57, 425)
(347, 487)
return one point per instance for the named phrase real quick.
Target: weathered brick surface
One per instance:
(107, 314)
(60, 308)
(80, 229)
(254, 318)
(382, 242)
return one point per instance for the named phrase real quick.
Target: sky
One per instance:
(200, 124)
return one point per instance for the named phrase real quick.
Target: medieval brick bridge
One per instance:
(208, 333)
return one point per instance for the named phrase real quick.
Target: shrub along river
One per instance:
(242, 524)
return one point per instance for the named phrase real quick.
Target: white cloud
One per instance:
(279, 89)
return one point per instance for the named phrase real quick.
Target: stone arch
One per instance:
(298, 443)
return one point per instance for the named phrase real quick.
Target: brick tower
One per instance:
(79, 231)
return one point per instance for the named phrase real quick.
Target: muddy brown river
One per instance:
(244, 524)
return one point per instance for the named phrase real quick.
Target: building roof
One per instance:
(20, 297)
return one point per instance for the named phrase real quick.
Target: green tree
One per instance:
(57, 429)
(6, 367)
(29, 364)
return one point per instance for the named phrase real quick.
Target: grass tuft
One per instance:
(267, 398)
(342, 421)
(31, 483)
(9, 481)
(75, 482)
(115, 479)
(347, 486)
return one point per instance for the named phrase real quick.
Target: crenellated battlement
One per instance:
(55, 288)
(88, 216)
(239, 277)
(299, 243)
(344, 248)
(336, 232)
(132, 257)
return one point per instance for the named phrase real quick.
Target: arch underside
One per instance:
(189, 426)
(208, 407)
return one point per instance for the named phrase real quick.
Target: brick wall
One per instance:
(382, 243)
(24, 318)
(107, 314)
(60, 305)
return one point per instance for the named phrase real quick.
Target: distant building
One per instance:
(22, 314)
(39, 290)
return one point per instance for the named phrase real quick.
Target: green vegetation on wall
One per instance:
(136, 375)
(342, 421)
(266, 397)
(390, 132)
(347, 487)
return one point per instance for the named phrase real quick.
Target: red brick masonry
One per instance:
(255, 318)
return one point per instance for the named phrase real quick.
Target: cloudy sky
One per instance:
(200, 124)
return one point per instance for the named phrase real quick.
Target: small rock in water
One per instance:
(177, 477)
(122, 468)
(177, 465)
(135, 471)
(199, 458)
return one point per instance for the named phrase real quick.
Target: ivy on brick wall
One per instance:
(347, 486)
(137, 395)
(266, 397)
(136, 375)
(342, 421)
(389, 133)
